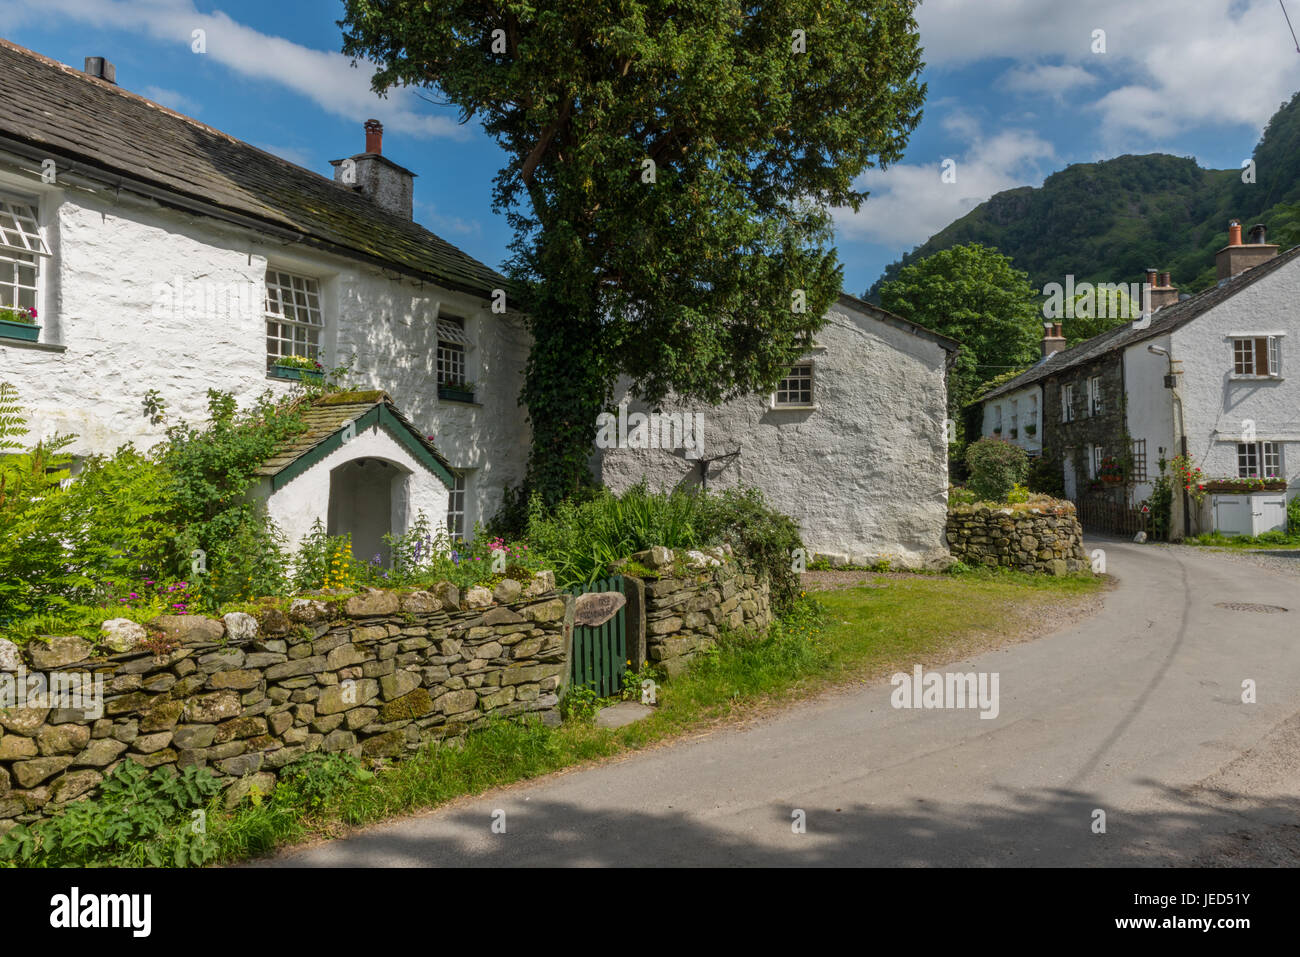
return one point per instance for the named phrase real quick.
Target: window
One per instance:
(293, 316)
(1256, 356)
(1033, 412)
(997, 417)
(1138, 470)
(1094, 395)
(797, 387)
(451, 350)
(1259, 460)
(1067, 403)
(1015, 417)
(1097, 456)
(456, 510)
(21, 249)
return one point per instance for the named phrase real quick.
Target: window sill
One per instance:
(795, 408)
(1238, 377)
(38, 346)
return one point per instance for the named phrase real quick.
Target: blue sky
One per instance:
(1017, 89)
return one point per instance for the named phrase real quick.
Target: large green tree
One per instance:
(669, 173)
(973, 294)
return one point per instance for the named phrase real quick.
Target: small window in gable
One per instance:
(796, 389)
(293, 317)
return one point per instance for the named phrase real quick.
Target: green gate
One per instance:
(599, 656)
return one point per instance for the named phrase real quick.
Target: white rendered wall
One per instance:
(864, 474)
(99, 299)
(1217, 405)
(1033, 444)
(1150, 411)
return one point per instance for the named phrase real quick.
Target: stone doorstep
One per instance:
(623, 713)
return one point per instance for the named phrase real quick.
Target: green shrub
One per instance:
(742, 519)
(1046, 476)
(995, 468)
(1293, 516)
(138, 818)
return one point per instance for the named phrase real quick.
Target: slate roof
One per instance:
(97, 128)
(1171, 317)
(328, 415)
(907, 325)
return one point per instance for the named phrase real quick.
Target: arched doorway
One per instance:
(368, 500)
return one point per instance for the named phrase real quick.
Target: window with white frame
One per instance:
(456, 510)
(1259, 460)
(452, 343)
(1094, 395)
(1067, 403)
(1097, 455)
(1015, 417)
(797, 387)
(21, 251)
(1138, 468)
(997, 417)
(293, 316)
(1032, 420)
(1256, 356)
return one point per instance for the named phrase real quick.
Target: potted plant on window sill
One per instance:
(1244, 486)
(1031, 430)
(298, 367)
(19, 323)
(456, 391)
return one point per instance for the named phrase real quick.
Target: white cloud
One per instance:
(171, 99)
(326, 78)
(909, 203)
(1168, 65)
(1046, 79)
(445, 225)
(297, 157)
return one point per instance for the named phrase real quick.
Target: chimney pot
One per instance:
(374, 137)
(1257, 234)
(1165, 281)
(1234, 233)
(99, 66)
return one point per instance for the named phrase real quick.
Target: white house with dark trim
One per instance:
(851, 444)
(1211, 376)
(162, 254)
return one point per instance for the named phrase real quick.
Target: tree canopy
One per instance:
(669, 174)
(973, 294)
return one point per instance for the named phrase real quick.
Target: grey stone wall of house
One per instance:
(692, 596)
(376, 675)
(1106, 429)
(1029, 538)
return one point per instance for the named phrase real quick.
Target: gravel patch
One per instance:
(1286, 561)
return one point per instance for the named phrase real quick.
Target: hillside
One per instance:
(1107, 221)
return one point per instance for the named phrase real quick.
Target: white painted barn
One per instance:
(852, 443)
(162, 254)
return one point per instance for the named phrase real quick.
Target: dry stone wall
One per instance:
(692, 595)
(1032, 538)
(376, 675)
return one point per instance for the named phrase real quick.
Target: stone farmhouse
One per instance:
(164, 258)
(1203, 376)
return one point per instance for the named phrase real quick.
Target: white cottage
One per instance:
(161, 254)
(851, 444)
(1204, 376)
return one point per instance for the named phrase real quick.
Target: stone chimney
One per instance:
(1236, 257)
(1053, 341)
(380, 180)
(98, 66)
(1162, 290)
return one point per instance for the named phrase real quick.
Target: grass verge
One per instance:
(836, 637)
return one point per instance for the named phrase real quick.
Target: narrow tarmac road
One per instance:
(1136, 713)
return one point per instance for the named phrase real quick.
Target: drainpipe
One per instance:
(1182, 433)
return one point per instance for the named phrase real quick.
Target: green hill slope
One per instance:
(1107, 221)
